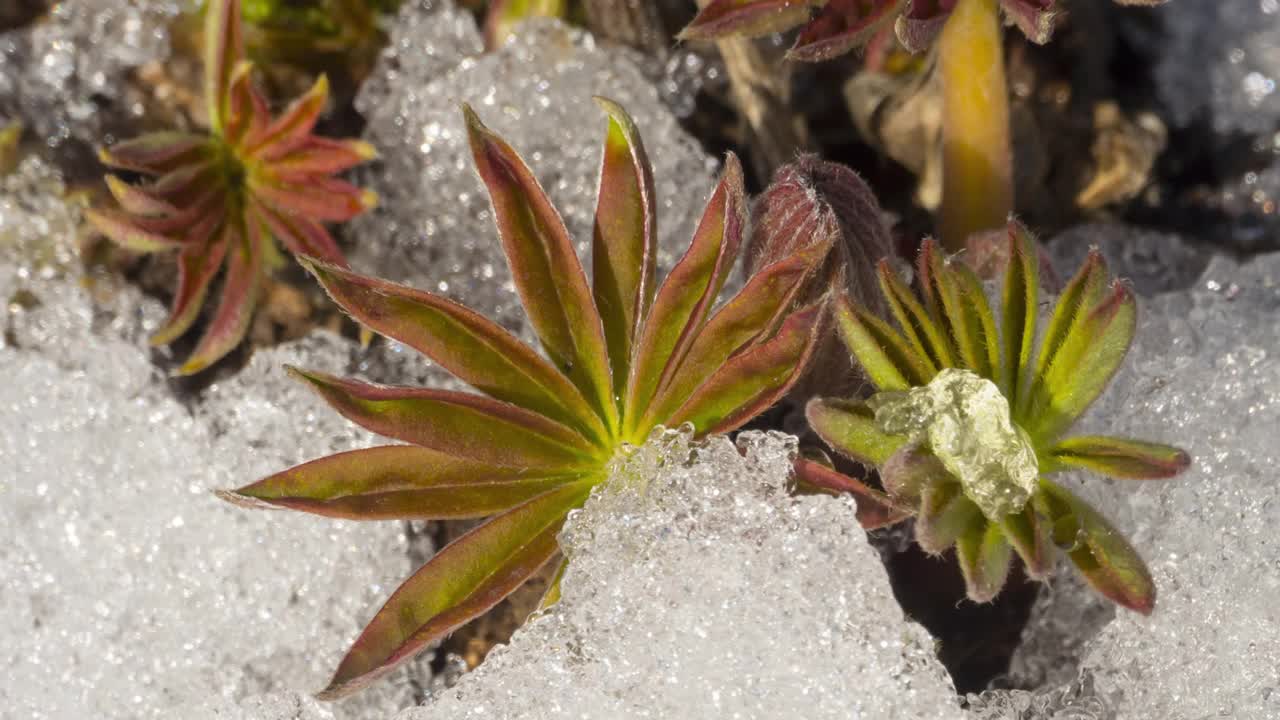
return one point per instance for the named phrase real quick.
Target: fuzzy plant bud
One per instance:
(810, 203)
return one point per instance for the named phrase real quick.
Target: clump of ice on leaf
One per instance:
(964, 421)
(699, 587)
(1204, 372)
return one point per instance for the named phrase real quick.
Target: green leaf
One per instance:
(399, 482)
(841, 27)
(687, 295)
(240, 290)
(884, 355)
(552, 595)
(1106, 560)
(979, 322)
(458, 424)
(291, 129)
(751, 316)
(960, 299)
(238, 104)
(156, 153)
(198, 264)
(1081, 294)
(545, 267)
(301, 235)
(223, 49)
(1088, 358)
(747, 18)
(138, 201)
(875, 509)
(984, 557)
(1021, 310)
(910, 470)
(504, 15)
(754, 379)
(127, 232)
(919, 330)
(849, 427)
(325, 199)
(624, 244)
(463, 581)
(1121, 457)
(1029, 535)
(475, 349)
(945, 514)
(928, 260)
(322, 156)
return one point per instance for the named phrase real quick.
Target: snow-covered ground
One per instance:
(698, 589)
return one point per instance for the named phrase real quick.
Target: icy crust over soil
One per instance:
(128, 589)
(1203, 373)
(699, 588)
(434, 228)
(67, 76)
(1221, 60)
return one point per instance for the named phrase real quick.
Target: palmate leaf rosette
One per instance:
(222, 200)
(622, 356)
(970, 420)
(829, 28)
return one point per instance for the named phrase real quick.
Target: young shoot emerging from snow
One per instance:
(224, 199)
(969, 422)
(621, 359)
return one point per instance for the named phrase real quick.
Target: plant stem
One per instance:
(977, 184)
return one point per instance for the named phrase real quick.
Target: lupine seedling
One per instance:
(621, 359)
(977, 192)
(969, 422)
(222, 199)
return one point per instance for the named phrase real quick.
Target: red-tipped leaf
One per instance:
(1106, 560)
(464, 580)
(687, 295)
(1080, 371)
(292, 128)
(884, 355)
(1021, 311)
(753, 314)
(875, 509)
(850, 428)
(198, 264)
(240, 289)
(984, 557)
(752, 381)
(624, 244)
(841, 26)
(747, 18)
(1121, 458)
(472, 347)
(945, 515)
(397, 482)
(459, 424)
(545, 267)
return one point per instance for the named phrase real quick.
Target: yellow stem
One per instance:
(977, 182)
